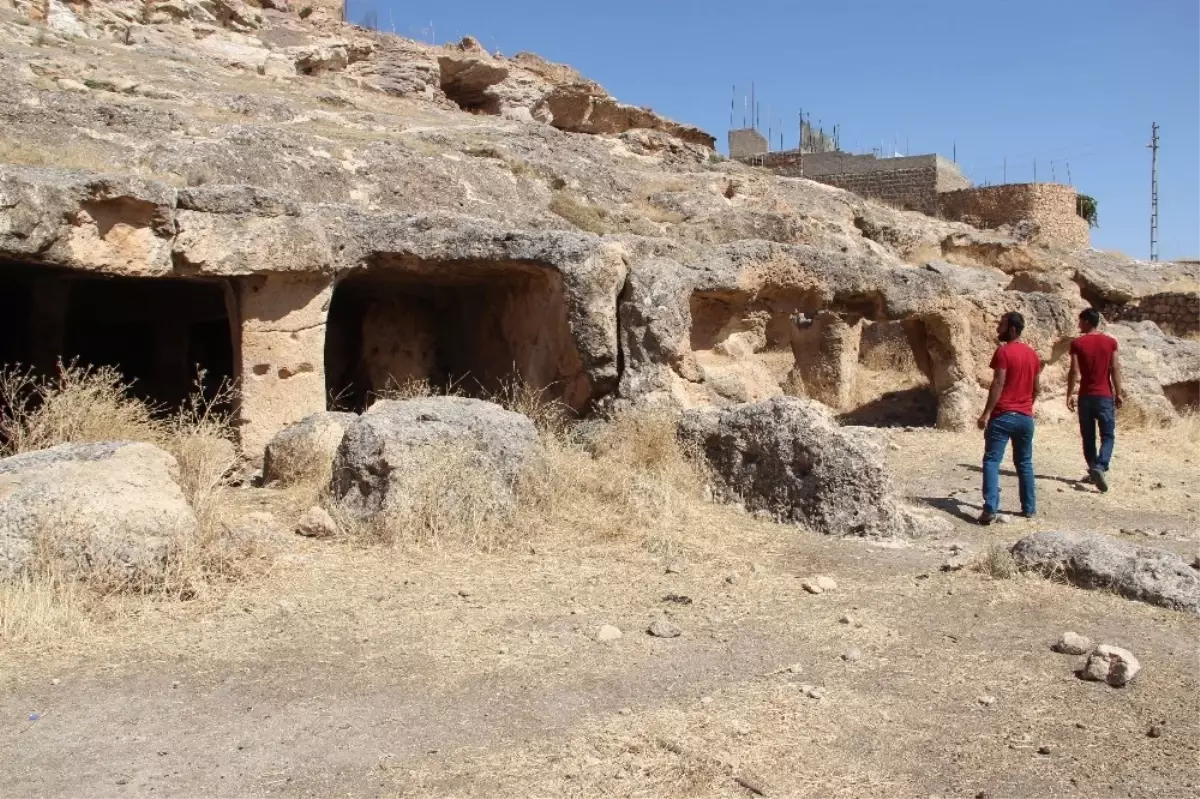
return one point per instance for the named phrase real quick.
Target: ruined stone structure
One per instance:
(1050, 207)
(910, 182)
(746, 142)
(1177, 312)
(929, 184)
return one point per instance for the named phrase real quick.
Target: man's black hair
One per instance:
(1015, 321)
(1091, 316)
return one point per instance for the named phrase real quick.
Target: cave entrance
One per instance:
(841, 351)
(157, 332)
(471, 327)
(1185, 396)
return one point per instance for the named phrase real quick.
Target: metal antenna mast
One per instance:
(1153, 191)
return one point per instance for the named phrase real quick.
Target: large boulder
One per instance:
(386, 452)
(790, 457)
(1094, 560)
(111, 505)
(304, 451)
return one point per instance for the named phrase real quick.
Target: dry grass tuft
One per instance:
(659, 214)
(583, 216)
(548, 413)
(80, 404)
(997, 563)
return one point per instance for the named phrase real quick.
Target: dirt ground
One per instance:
(351, 671)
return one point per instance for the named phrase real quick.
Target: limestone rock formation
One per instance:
(1094, 560)
(316, 182)
(384, 451)
(306, 449)
(790, 457)
(110, 505)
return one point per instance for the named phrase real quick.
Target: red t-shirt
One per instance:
(1094, 354)
(1021, 365)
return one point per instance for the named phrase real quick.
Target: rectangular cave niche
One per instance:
(158, 333)
(462, 326)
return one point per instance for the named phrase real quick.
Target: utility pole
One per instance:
(1153, 191)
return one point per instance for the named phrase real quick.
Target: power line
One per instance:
(1153, 191)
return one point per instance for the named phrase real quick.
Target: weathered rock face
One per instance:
(1161, 373)
(790, 457)
(305, 450)
(385, 451)
(451, 177)
(1093, 560)
(109, 505)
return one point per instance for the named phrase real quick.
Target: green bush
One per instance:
(305, 12)
(1085, 206)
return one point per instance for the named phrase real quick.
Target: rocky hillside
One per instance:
(233, 139)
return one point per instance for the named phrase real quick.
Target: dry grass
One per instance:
(636, 484)
(71, 573)
(78, 405)
(997, 563)
(69, 155)
(591, 218)
(659, 214)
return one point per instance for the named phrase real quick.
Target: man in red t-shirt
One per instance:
(1016, 368)
(1096, 370)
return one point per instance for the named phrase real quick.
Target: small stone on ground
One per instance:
(1071, 643)
(607, 633)
(664, 628)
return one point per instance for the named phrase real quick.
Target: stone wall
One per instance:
(911, 182)
(1177, 313)
(746, 142)
(1049, 206)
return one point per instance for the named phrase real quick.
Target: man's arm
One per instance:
(1037, 382)
(998, 377)
(1114, 376)
(1072, 381)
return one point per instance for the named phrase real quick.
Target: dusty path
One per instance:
(355, 672)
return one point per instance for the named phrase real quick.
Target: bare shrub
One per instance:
(583, 216)
(80, 404)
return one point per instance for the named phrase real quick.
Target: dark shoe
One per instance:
(1027, 516)
(986, 518)
(1087, 478)
(1100, 479)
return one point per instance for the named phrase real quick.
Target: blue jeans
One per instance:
(1000, 429)
(1093, 412)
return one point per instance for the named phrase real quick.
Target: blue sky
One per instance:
(1065, 83)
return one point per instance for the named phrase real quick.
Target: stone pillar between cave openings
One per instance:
(282, 354)
(48, 321)
(948, 339)
(826, 355)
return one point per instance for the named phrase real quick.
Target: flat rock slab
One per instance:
(1093, 560)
